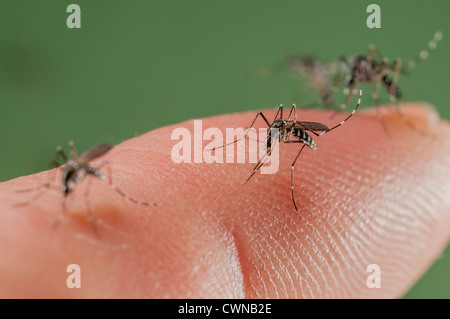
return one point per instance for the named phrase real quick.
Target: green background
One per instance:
(138, 65)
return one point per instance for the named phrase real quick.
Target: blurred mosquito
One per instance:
(324, 77)
(289, 131)
(371, 68)
(74, 170)
(327, 77)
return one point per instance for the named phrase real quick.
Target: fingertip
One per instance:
(362, 198)
(421, 113)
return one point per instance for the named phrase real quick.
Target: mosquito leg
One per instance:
(261, 162)
(60, 152)
(292, 176)
(393, 88)
(61, 215)
(376, 92)
(73, 150)
(279, 113)
(338, 70)
(53, 164)
(374, 52)
(258, 165)
(293, 110)
(409, 123)
(376, 98)
(351, 114)
(124, 195)
(380, 118)
(350, 93)
(248, 130)
(394, 100)
(423, 55)
(88, 207)
(41, 188)
(44, 188)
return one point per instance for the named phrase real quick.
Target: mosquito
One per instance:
(371, 69)
(289, 131)
(318, 74)
(74, 170)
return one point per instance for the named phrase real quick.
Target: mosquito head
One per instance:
(69, 174)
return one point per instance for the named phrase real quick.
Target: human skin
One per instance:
(364, 198)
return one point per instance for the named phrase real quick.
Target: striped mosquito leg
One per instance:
(373, 51)
(73, 150)
(409, 123)
(349, 93)
(380, 118)
(292, 177)
(32, 189)
(60, 152)
(124, 195)
(351, 114)
(423, 55)
(43, 188)
(279, 113)
(262, 161)
(395, 103)
(393, 88)
(293, 110)
(258, 165)
(376, 98)
(61, 215)
(246, 133)
(88, 206)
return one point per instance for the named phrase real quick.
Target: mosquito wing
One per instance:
(311, 126)
(94, 153)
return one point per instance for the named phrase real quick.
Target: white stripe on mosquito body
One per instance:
(290, 131)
